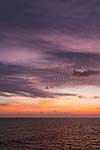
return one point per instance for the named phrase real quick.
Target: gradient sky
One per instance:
(50, 58)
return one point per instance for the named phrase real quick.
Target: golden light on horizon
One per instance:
(71, 104)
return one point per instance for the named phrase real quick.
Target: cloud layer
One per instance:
(80, 17)
(47, 46)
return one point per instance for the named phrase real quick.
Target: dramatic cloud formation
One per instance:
(50, 50)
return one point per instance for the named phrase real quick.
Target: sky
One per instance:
(49, 58)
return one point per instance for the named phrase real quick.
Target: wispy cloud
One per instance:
(36, 81)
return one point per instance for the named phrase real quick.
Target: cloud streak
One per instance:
(35, 82)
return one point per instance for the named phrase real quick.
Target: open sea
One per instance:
(50, 134)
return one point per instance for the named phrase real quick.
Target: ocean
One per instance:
(49, 134)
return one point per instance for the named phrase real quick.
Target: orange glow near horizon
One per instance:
(71, 105)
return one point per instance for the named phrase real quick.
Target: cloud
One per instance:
(36, 81)
(73, 17)
(36, 51)
(47, 48)
(82, 97)
(96, 97)
(85, 73)
(26, 81)
(4, 104)
(75, 58)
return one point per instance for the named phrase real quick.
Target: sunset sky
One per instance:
(50, 58)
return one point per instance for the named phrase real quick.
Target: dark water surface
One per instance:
(49, 134)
